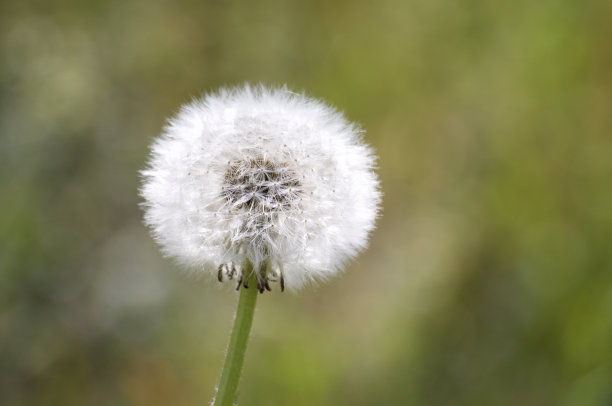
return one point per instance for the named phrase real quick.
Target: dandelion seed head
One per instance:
(261, 175)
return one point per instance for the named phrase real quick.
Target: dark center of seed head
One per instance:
(259, 183)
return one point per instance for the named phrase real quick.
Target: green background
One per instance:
(488, 280)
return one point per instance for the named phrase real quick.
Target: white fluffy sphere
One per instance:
(261, 175)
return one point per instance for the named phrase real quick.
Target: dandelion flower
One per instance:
(261, 176)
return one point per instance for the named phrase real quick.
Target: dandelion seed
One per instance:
(280, 180)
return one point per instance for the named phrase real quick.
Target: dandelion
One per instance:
(262, 186)
(265, 176)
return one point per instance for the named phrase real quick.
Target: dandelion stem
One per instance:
(234, 359)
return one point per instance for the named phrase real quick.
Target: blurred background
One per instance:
(488, 280)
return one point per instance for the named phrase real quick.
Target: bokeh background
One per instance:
(488, 280)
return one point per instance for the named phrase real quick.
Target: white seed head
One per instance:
(261, 175)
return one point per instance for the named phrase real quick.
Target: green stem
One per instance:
(228, 386)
